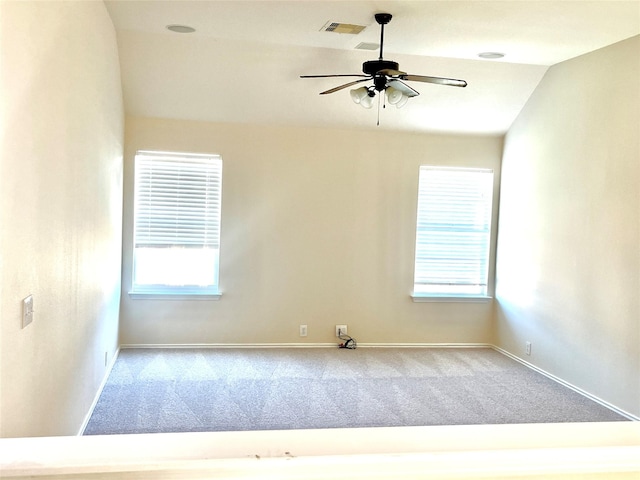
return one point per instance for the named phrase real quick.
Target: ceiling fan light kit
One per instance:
(396, 97)
(357, 94)
(386, 76)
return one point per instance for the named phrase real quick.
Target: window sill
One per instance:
(175, 295)
(424, 298)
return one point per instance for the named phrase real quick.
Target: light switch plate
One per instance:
(27, 311)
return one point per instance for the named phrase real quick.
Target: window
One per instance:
(453, 232)
(176, 223)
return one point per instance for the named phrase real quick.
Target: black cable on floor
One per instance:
(349, 342)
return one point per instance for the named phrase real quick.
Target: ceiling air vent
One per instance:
(337, 27)
(367, 46)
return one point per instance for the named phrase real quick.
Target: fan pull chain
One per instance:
(380, 95)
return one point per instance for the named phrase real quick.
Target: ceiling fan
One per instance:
(386, 77)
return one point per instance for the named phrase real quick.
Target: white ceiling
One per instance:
(244, 61)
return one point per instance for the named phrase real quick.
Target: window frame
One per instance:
(484, 295)
(208, 171)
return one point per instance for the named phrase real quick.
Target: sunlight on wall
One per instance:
(518, 259)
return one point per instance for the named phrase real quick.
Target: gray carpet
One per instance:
(193, 390)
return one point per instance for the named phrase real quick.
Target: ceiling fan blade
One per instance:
(328, 76)
(439, 80)
(392, 73)
(345, 86)
(403, 87)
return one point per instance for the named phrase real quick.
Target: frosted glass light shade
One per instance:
(357, 94)
(402, 102)
(367, 101)
(393, 95)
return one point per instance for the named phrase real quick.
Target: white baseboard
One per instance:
(425, 345)
(99, 392)
(568, 385)
(306, 345)
(229, 345)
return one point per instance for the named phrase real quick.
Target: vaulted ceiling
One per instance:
(243, 62)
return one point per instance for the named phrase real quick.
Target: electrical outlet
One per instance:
(527, 348)
(341, 330)
(303, 330)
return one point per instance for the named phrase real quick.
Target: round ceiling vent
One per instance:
(181, 28)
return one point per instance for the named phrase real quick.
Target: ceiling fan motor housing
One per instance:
(374, 66)
(383, 18)
(380, 83)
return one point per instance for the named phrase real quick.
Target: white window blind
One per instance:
(176, 221)
(453, 231)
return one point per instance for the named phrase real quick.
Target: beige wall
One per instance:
(318, 228)
(61, 191)
(318, 225)
(568, 274)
